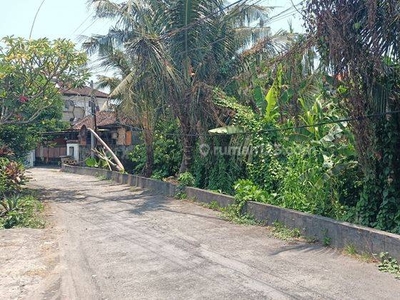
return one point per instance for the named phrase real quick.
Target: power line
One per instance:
(91, 24)
(90, 15)
(339, 121)
(284, 14)
(300, 3)
(286, 11)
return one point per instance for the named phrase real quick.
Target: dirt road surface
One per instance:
(109, 241)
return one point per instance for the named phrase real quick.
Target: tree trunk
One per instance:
(148, 168)
(189, 143)
(148, 140)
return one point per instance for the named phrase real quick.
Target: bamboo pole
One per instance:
(120, 167)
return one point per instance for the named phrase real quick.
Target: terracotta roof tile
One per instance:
(103, 118)
(84, 91)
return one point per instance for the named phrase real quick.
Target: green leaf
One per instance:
(271, 98)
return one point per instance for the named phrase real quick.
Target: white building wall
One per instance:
(73, 150)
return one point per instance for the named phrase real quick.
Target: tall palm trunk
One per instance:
(189, 144)
(148, 139)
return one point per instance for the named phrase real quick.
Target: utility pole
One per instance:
(93, 111)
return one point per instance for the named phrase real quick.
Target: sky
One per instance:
(73, 19)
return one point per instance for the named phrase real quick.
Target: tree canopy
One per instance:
(31, 72)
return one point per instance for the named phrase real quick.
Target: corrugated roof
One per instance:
(84, 91)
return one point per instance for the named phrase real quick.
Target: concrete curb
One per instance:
(339, 234)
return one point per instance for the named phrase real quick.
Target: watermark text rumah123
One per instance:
(206, 149)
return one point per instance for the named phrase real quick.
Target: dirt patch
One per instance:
(27, 256)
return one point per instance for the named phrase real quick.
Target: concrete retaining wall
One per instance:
(161, 187)
(208, 196)
(339, 234)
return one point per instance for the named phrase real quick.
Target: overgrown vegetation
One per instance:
(167, 152)
(358, 43)
(308, 122)
(22, 210)
(389, 264)
(18, 207)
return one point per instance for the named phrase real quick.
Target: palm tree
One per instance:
(179, 51)
(205, 39)
(137, 52)
(128, 104)
(359, 42)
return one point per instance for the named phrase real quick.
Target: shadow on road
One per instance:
(316, 249)
(139, 201)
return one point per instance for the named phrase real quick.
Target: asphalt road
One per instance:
(118, 242)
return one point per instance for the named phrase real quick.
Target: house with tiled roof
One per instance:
(115, 131)
(82, 102)
(88, 108)
(120, 134)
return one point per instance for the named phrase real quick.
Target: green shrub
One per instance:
(186, 179)
(91, 162)
(9, 204)
(310, 176)
(167, 152)
(282, 232)
(216, 171)
(246, 190)
(21, 211)
(233, 214)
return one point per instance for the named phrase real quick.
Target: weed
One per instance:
(214, 205)
(180, 195)
(389, 264)
(9, 204)
(350, 249)
(230, 213)
(101, 177)
(326, 240)
(282, 232)
(367, 257)
(310, 239)
(184, 179)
